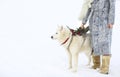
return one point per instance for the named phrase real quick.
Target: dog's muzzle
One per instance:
(51, 37)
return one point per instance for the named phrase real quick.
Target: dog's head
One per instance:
(61, 34)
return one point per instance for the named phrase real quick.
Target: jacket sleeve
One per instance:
(111, 17)
(87, 16)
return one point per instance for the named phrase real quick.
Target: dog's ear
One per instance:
(68, 27)
(60, 28)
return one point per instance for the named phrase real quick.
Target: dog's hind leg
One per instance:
(89, 58)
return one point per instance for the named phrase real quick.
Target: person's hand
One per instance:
(110, 26)
(82, 26)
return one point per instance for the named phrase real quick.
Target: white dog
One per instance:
(73, 45)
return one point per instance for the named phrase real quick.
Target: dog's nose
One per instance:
(51, 37)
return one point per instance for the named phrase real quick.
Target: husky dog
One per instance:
(73, 44)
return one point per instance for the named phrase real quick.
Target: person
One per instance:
(101, 17)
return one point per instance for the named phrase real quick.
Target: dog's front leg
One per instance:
(74, 62)
(69, 60)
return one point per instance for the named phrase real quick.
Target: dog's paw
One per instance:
(73, 70)
(70, 67)
(87, 64)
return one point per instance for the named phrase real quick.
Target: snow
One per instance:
(26, 49)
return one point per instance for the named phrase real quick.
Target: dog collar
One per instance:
(65, 41)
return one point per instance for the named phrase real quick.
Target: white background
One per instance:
(26, 49)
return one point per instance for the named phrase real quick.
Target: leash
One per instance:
(80, 32)
(70, 42)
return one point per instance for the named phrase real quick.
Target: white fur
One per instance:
(74, 45)
(86, 5)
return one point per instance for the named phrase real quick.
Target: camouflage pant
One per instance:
(101, 35)
(101, 13)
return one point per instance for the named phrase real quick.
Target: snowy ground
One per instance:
(26, 49)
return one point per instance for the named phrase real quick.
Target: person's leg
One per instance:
(96, 52)
(96, 61)
(106, 54)
(105, 64)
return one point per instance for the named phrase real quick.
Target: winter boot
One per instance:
(104, 69)
(96, 62)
